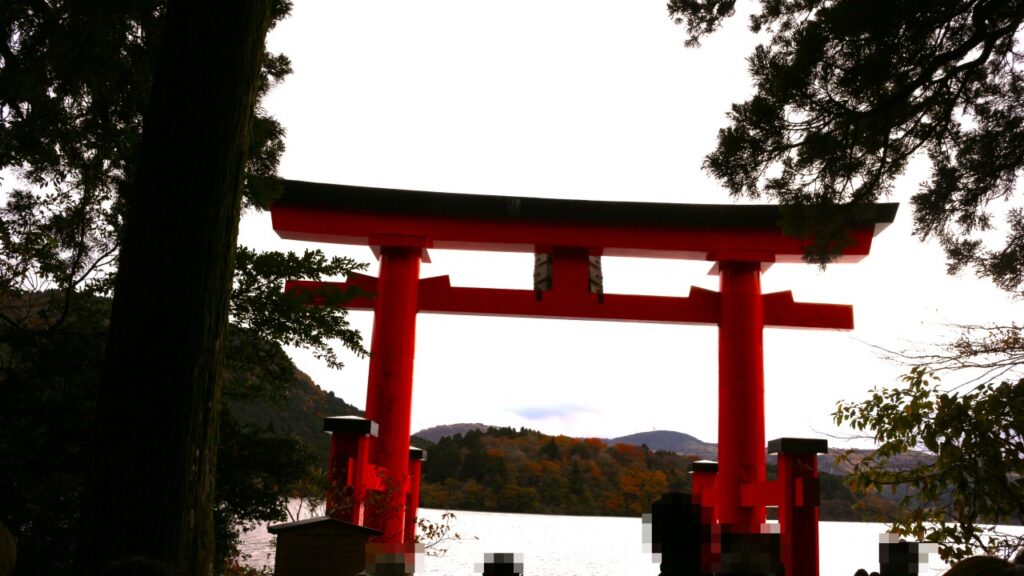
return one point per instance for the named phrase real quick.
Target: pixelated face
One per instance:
(899, 557)
(674, 525)
(684, 538)
(384, 559)
(501, 564)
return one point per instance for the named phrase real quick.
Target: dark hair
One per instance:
(981, 566)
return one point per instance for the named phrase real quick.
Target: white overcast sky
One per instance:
(587, 99)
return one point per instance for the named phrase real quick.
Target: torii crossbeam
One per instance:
(569, 237)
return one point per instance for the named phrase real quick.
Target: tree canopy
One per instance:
(130, 137)
(975, 478)
(847, 92)
(508, 470)
(49, 381)
(75, 81)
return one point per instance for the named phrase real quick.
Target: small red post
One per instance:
(347, 468)
(389, 390)
(798, 508)
(702, 482)
(417, 456)
(741, 456)
(703, 474)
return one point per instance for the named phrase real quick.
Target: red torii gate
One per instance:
(400, 225)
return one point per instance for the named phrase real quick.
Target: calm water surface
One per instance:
(593, 546)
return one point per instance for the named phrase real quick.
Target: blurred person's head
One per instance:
(502, 564)
(384, 559)
(984, 566)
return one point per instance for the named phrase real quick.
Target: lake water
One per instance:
(593, 546)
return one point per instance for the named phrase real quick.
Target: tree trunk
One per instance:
(151, 489)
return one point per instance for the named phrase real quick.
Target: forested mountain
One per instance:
(671, 441)
(687, 445)
(475, 466)
(509, 470)
(435, 433)
(299, 413)
(827, 463)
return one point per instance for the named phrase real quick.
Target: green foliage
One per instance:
(298, 413)
(848, 91)
(48, 386)
(259, 302)
(75, 79)
(48, 381)
(257, 471)
(256, 369)
(976, 478)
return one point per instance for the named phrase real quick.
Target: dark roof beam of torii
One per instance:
(362, 216)
(576, 228)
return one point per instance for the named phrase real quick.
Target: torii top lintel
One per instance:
(375, 216)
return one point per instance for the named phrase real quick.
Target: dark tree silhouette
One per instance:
(848, 91)
(151, 488)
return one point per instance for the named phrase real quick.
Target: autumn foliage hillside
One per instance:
(509, 470)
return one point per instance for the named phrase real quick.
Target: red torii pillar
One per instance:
(741, 458)
(741, 240)
(389, 390)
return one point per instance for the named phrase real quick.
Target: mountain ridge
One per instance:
(688, 445)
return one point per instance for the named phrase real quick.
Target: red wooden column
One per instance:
(348, 467)
(417, 456)
(703, 474)
(703, 477)
(741, 456)
(798, 507)
(389, 390)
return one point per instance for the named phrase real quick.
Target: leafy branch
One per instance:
(260, 304)
(437, 536)
(975, 480)
(848, 92)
